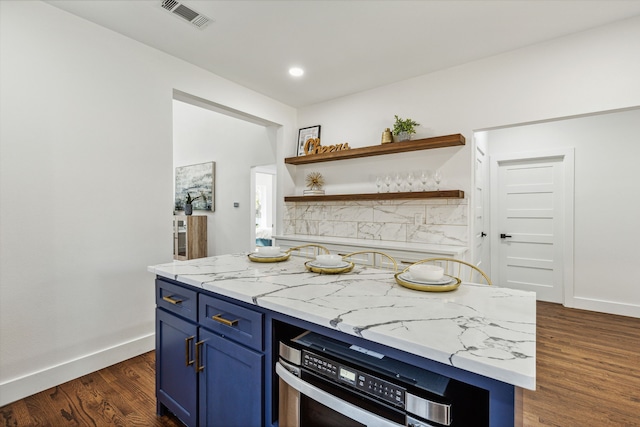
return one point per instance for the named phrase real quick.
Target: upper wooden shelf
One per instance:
(377, 150)
(447, 194)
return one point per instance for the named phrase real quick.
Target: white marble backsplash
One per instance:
(433, 221)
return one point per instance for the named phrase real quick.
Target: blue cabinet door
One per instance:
(231, 383)
(176, 378)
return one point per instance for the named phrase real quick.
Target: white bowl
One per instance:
(426, 272)
(329, 260)
(269, 250)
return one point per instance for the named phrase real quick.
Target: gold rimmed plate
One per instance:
(256, 257)
(403, 280)
(344, 267)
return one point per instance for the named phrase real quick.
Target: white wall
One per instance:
(606, 202)
(86, 191)
(201, 135)
(583, 73)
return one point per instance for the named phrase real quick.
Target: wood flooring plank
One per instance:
(16, 414)
(120, 395)
(588, 370)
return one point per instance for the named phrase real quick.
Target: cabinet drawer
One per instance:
(177, 300)
(229, 320)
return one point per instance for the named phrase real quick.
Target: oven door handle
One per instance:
(347, 409)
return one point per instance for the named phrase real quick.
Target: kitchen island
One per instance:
(482, 335)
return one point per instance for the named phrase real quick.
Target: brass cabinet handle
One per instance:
(218, 318)
(199, 367)
(171, 300)
(187, 352)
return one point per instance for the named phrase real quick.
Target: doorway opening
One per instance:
(204, 131)
(263, 180)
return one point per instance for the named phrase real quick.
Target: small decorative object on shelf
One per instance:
(188, 204)
(304, 135)
(386, 136)
(404, 128)
(437, 178)
(312, 146)
(315, 181)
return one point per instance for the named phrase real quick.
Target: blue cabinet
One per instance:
(231, 391)
(215, 360)
(176, 378)
(209, 359)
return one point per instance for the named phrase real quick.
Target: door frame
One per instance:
(567, 156)
(267, 170)
(480, 256)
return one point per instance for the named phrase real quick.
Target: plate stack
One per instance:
(313, 192)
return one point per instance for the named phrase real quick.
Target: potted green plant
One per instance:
(404, 128)
(188, 204)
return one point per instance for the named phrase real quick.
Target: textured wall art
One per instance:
(199, 181)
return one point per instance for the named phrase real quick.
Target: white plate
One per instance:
(259, 255)
(316, 264)
(445, 280)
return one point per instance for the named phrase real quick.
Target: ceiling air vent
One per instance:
(178, 9)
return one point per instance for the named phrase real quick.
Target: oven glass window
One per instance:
(314, 414)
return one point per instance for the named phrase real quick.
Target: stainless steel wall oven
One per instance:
(324, 383)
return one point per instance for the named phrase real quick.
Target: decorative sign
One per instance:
(312, 146)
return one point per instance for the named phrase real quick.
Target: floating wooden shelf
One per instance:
(377, 150)
(448, 194)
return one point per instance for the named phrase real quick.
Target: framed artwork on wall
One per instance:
(304, 134)
(198, 181)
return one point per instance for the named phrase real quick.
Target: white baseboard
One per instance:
(602, 306)
(19, 388)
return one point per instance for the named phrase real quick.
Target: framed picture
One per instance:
(199, 181)
(304, 134)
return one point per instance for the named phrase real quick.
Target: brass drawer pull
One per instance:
(218, 318)
(199, 367)
(187, 352)
(171, 300)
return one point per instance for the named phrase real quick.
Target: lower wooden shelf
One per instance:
(446, 194)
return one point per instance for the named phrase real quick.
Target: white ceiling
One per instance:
(345, 46)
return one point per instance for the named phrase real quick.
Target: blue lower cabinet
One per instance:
(231, 392)
(209, 367)
(176, 378)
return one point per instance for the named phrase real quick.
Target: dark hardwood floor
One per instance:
(120, 395)
(588, 370)
(588, 375)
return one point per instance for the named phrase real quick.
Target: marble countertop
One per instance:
(483, 329)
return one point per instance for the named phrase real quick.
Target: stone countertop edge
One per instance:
(487, 330)
(375, 244)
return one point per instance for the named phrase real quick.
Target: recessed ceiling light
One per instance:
(296, 71)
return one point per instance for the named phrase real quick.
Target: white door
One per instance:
(529, 212)
(481, 242)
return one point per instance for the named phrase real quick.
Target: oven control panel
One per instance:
(364, 382)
